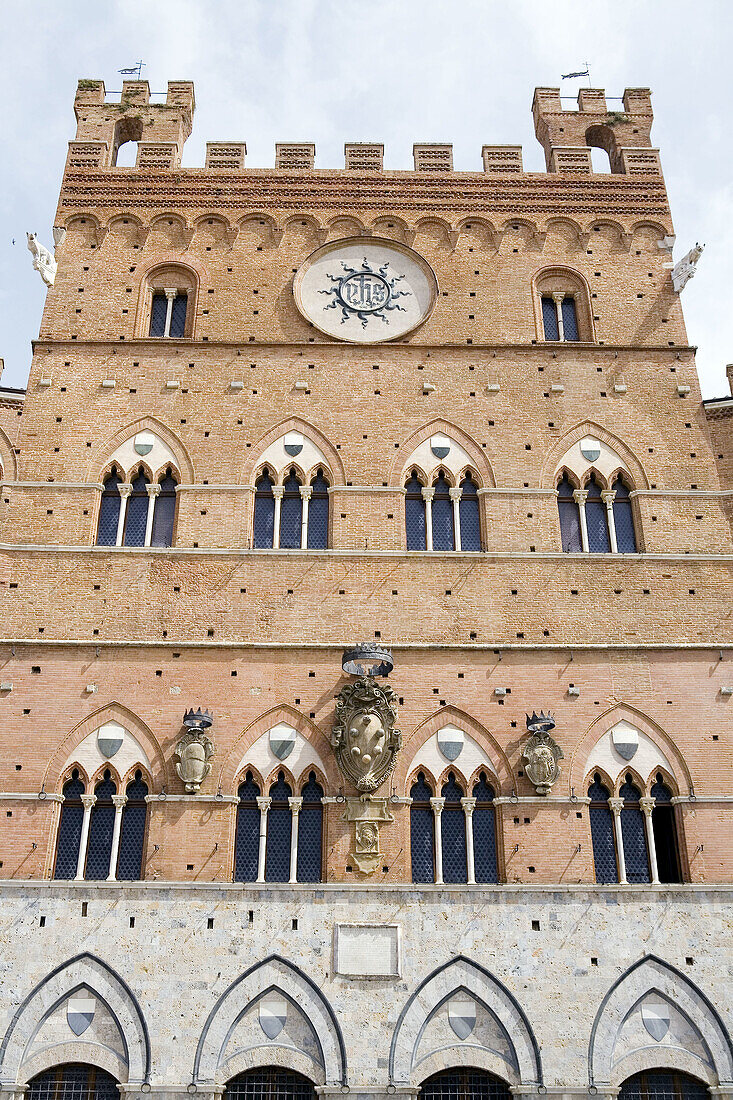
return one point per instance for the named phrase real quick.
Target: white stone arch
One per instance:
(273, 975)
(461, 976)
(18, 1060)
(651, 975)
(643, 755)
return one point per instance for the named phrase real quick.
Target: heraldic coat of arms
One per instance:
(364, 739)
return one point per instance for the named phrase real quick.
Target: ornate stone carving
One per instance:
(194, 750)
(364, 738)
(541, 753)
(43, 261)
(366, 814)
(686, 268)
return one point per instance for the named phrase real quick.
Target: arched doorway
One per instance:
(73, 1081)
(663, 1084)
(464, 1083)
(269, 1083)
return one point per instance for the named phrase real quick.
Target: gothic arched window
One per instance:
(442, 515)
(468, 511)
(172, 299)
(310, 832)
(485, 862)
(70, 826)
(633, 832)
(663, 1084)
(415, 514)
(279, 830)
(560, 318)
(664, 828)
(101, 830)
(109, 511)
(602, 832)
(569, 516)
(132, 830)
(247, 847)
(136, 516)
(291, 514)
(164, 512)
(422, 835)
(318, 513)
(596, 519)
(564, 306)
(453, 832)
(623, 518)
(264, 518)
(73, 1082)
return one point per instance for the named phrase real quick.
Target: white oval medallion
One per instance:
(365, 290)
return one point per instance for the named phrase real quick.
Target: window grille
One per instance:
(158, 314)
(664, 827)
(165, 511)
(602, 833)
(73, 1082)
(464, 1084)
(69, 835)
(109, 511)
(569, 319)
(318, 513)
(132, 831)
(468, 512)
(549, 318)
(453, 833)
(310, 832)
(247, 848)
(422, 838)
(623, 519)
(291, 514)
(658, 1084)
(415, 515)
(596, 519)
(633, 833)
(264, 519)
(178, 315)
(442, 511)
(101, 827)
(269, 1083)
(569, 517)
(485, 863)
(279, 829)
(136, 517)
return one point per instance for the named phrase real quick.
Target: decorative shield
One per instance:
(440, 445)
(462, 1017)
(450, 742)
(109, 739)
(80, 1013)
(590, 448)
(273, 1014)
(282, 740)
(625, 740)
(655, 1016)
(293, 443)
(364, 738)
(143, 443)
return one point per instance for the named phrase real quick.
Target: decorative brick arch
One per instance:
(462, 975)
(230, 767)
(604, 722)
(100, 454)
(651, 974)
(451, 715)
(293, 424)
(90, 973)
(443, 427)
(278, 975)
(554, 457)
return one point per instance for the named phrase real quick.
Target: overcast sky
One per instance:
(396, 71)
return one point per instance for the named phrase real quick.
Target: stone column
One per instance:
(264, 805)
(616, 805)
(87, 801)
(438, 804)
(455, 495)
(277, 492)
(124, 490)
(306, 492)
(647, 805)
(153, 492)
(119, 803)
(469, 805)
(427, 494)
(170, 295)
(608, 496)
(296, 805)
(558, 296)
(580, 496)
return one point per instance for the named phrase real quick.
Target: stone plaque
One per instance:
(367, 950)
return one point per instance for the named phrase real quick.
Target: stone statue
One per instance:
(541, 753)
(364, 738)
(194, 750)
(43, 261)
(686, 268)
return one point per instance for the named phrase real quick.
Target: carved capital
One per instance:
(119, 800)
(306, 491)
(278, 491)
(124, 489)
(296, 805)
(88, 800)
(437, 804)
(616, 805)
(608, 496)
(469, 805)
(580, 496)
(647, 805)
(428, 492)
(263, 803)
(455, 494)
(153, 490)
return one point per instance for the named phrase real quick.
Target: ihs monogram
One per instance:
(365, 292)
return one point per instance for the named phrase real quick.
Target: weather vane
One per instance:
(136, 70)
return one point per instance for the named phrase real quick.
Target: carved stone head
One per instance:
(364, 739)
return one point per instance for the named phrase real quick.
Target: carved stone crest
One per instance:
(364, 738)
(194, 750)
(541, 753)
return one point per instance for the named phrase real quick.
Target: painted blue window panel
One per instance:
(132, 833)
(596, 519)
(468, 512)
(101, 826)
(442, 516)
(422, 837)
(291, 515)
(137, 512)
(158, 315)
(178, 315)
(485, 862)
(549, 318)
(247, 847)
(109, 512)
(310, 832)
(318, 514)
(264, 519)
(569, 517)
(69, 835)
(633, 834)
(623, 519)
(164, 514)
(453, 833)
(602, 833)
(569, 319)
(415, 515)
(279, 830)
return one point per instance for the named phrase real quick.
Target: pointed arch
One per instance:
(235, 759)
(83, 971)
(292, 424)
(451, 715)
(401, 463)
(578, 766)
(652, 974)
(461, 974)
(284, 977)
(556, 455)
(101, 454)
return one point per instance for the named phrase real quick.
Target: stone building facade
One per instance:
(449, 422)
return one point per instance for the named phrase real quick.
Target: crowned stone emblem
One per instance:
(194, 750)
(541, 753)
(365, 292)
(364, 739)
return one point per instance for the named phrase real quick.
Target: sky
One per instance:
(394, 71)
